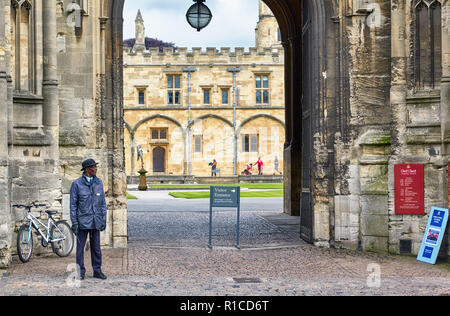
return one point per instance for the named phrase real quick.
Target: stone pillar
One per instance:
(445, 84)
(5, 239)
(132, 155)
(50, 109)
(113, 107)
(293, 145)
(399, 53)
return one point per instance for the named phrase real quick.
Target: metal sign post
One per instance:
(225, 197)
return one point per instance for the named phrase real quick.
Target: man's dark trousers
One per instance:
(96, 252)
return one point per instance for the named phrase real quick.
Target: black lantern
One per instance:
(198, 15)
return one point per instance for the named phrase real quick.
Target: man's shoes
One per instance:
(81, 277)
(99, 275)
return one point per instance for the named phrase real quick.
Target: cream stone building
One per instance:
(186, 107)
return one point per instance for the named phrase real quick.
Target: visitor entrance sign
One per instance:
(225, 197)
(434, 235)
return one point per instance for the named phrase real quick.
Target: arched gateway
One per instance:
(289, 17)
(359, 101)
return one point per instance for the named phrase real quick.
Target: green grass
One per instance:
(205, 195)
(265, 186)
(131, 197)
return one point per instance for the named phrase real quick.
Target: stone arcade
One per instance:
(375, 93)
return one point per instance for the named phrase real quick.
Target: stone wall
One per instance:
(86, 129)
(5, 237)
(61, 118)
(391, 122)
(418, 124)
(30, 169)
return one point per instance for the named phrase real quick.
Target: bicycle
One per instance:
(59, 234)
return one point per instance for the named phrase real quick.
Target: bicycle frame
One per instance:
(37, 224)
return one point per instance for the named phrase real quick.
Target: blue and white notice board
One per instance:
(434, 235)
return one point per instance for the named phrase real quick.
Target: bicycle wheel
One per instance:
(25, 243)
(62, 230)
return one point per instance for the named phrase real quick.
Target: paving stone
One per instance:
(158, 262)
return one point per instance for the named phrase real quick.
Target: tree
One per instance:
(149, 42)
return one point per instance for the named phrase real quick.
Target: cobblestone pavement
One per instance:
(175, 261)
(144, 269)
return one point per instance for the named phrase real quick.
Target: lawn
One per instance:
(265, 186)
(205, 195)
(131, 197)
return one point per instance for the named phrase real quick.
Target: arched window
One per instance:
(22, 37)
(428, 44)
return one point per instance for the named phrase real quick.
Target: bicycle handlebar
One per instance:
(29, 206)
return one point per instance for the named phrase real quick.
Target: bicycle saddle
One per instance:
(51, 212)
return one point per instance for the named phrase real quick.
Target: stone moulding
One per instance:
(28, 99)
(417, 136)
(374, 160)
(30, 138)
(421, 98)
(376, 138)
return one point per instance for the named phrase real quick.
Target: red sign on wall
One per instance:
(409, 189)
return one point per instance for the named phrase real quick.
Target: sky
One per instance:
(233, 23)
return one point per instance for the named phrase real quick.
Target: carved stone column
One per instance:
(3, 90)
(5, 240)
(50, 109)
(398, 94)
(114, 130)
(445, 84)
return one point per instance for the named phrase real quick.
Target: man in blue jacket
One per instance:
(88, 215)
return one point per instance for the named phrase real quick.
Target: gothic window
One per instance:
(198, 139)
(428, 44)
(262, 89)
(159, 133)
(141, 96)
(225, 94)
(22, 46)
(250, 143)
(206, 96)
(174, 89)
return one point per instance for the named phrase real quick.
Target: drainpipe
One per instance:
(189, 71)
(234, 70)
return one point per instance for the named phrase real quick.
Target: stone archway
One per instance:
(289, 17)
(288, 14)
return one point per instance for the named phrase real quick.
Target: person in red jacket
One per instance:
(260, 165)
